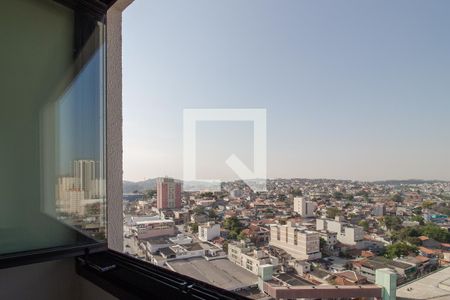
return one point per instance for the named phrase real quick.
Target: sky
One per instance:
(352, 89)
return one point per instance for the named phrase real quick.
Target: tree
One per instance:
(212, 214)
(232, 235)
(149, 194)
(397, 198)
(364, 224)
(338, 195)
(241, 236)
(225, 246)
(399, 249)
(92, 209)
(362, 193)
(232, 224)
(418, 219)
(194, 227)
(199, 209)
(407, 234)
(367, 199)
(297, 192)
(392, 222)
(207, 195)
(435, 232)
(427, 204)
(413, 240)
(411, 234)
(417, 210)
(234, 227)
(282, 197)
(332, 212)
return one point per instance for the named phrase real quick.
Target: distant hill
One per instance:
(150, 184)
(408, 181)
(140, 186)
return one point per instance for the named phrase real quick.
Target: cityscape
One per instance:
(301, 233)
(225, 150)
(80, 198)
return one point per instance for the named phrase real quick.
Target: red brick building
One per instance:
(168, 193)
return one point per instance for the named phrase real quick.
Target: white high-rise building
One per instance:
(297, 241)
(87, 172)
(347, 234)
(208, 231)
(304, 207)
(85, 187)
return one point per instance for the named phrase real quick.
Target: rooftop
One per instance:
(381, 262)
(219, 272)
(193, 247)
(153, 222)
(292, 280)
(434, 286)
(158, 240)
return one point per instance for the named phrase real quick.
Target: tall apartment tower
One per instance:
(304, 207)
(86, 173)
(168, 193)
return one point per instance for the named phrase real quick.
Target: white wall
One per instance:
(114, 124)
(208, 233)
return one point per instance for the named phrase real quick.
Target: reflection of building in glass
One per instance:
(83, 193)
(87, 174)
(168, 193)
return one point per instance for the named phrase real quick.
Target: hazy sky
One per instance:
(353, 89)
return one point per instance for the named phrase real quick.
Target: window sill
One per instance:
(129, 278)
(48, 254)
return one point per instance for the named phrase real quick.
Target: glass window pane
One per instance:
(52, 177)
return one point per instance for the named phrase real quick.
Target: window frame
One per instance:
(121, 275)
(127, 277)
(95, 9)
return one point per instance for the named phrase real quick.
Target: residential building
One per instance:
(87, 173)
(429, 242)
(330, 239)
(435, 218)
(257, 234)
(208, 231)
(368, 267)
(304, 207)
(387, 278)
(154, 228)
(168, 193)
(379, 210)
(182, 251)
(349, 278)
(83, 189)
(347, 234)
(298, 241)
(248, 257)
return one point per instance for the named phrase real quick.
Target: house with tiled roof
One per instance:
(428, 252)
(349, 278)
(429, 242)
